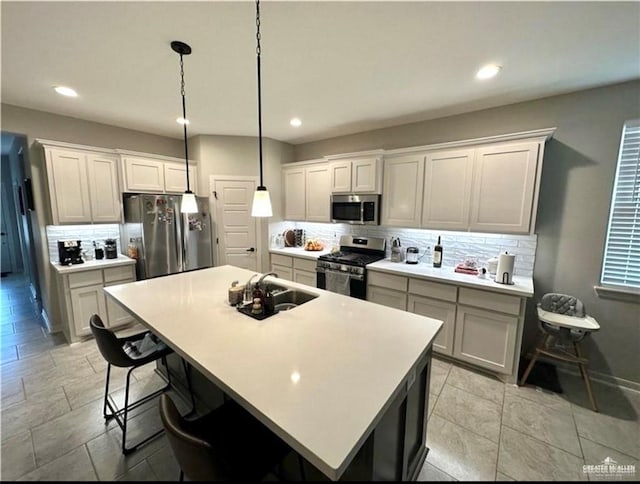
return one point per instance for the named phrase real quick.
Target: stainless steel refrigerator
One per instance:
(163, 240)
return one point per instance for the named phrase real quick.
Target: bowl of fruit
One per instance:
(313, 245)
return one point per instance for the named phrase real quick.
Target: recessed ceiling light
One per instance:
(488, 71)
(295, 122)
(65, 91)
(181, 120)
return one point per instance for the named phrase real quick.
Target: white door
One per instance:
(363, 175)
(235, 228)
(68, 186)
(6, 263)
(318, 194)
(294, 193)
(403, 183)
(102, 173)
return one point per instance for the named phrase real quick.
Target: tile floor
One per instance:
(51, 425)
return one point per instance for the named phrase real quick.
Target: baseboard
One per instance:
(34, 294)
(51, 328)
(603, 378)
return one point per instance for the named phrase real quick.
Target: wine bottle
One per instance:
(437, 254)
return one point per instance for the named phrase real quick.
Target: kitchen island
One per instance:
(343, 381)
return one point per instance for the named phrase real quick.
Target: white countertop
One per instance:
(522, 286)
(93, 264)
(300, 252)
(320, 375)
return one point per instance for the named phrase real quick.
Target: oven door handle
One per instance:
(357, 277)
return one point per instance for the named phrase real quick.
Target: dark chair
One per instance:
(113, 351)
(228, 444)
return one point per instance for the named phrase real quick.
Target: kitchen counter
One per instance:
(522, 286)
(322, 376)
(300, 252)
(122, 260)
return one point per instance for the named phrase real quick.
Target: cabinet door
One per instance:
(447, 189)
(318, 193)
(402, 193)
(102, 172)
(116, 315)
(294, 193)
(387, 297)
(283, 272)
(86, 301)
(68, 186)
(340, 172)
(442, 310)
(142, 175)
(504, 180)
(363, 175)
(305, 277)
(175, 178)
(485, 338)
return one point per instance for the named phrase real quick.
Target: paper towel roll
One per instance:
(504, 271)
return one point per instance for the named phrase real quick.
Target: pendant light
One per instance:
(188, 203)
(261, 202)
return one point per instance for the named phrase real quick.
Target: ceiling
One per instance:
(342, 67)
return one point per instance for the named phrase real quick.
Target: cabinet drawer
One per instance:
(398, 283)
(304, 264)
(387, 297)
(490, 300)
(281, 260)
(85, 278)
(284, 272)
(120, 273)
(435, 290)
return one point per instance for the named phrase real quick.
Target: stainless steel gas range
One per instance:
(345, 271)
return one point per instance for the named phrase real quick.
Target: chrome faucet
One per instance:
(248, 289)
(265, 275)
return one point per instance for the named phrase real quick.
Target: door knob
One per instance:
(251, 249)
(3, 233)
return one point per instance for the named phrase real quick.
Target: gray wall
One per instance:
(38, 124)
(577, 179)
(11, 223)
(238, 155)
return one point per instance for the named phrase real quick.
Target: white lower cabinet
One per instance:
(296, 269)
(442, 310)
(486, 338)
(480, 327)
(85, 302)
(82, 295)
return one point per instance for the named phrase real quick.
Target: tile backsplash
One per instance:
(456, 245)
(85, 233)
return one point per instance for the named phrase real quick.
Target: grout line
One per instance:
(546, 443)
(95, 469)
(608, 447)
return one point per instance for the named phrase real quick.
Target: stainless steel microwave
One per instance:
(355, 209)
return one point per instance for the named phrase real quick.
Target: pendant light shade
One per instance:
(261, 202)
(188, 203)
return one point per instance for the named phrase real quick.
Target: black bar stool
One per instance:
(113, 350)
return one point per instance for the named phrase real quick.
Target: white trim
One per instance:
(600, 378)
(51, 328)
(539, 135)
(618, 293)
(356, 154)
(319, 161)
(72, 146)
(153, 156)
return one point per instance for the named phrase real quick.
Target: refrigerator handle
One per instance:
(180, 241)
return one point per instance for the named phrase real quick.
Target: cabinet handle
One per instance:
(251, 249)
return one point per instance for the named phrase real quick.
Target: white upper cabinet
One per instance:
(504, 182)
(447, 189)
(306, 191)
(402, 193)
(102, 172)
(83, 186)
(157, 175)
(143, 175)
(317, 200)
(175, 178)
(356, 175)
(294, 193)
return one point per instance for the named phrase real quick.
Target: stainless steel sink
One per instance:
(292, 296)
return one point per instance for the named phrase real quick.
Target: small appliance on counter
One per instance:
(504, 271)
(412, 255)
(110, 249)
(70, 252)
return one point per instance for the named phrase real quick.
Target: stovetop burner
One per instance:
(354, 258)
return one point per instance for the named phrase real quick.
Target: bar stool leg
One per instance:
(585, 376)
(187, 374)
(106, 394)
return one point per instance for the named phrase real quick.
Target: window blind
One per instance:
(621, 265)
